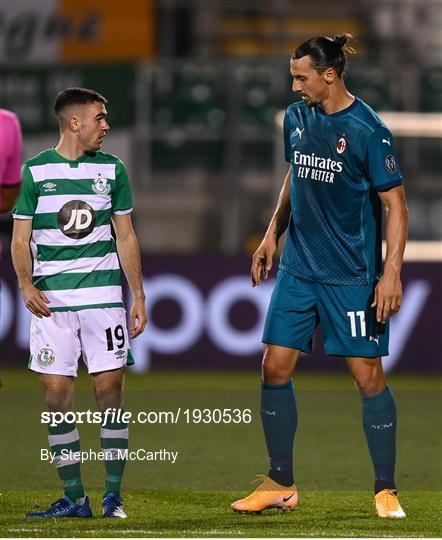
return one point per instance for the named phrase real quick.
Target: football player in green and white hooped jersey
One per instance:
(68, 267)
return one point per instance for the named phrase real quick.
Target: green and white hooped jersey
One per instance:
(71, 204)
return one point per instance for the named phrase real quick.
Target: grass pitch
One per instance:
(216, 462)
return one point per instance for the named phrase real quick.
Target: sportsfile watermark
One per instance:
(67, 457)
(186, 416)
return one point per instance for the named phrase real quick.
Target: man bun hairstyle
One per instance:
(326, 52)
(76, 96)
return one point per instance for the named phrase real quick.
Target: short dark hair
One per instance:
(76, 96)
(326, 52)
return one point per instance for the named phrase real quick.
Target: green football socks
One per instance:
(114, 441)
(64, 441)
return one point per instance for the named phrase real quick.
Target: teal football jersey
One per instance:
(339, 163)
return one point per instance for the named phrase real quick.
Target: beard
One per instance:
(310, 102)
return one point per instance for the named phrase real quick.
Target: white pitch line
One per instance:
(215, 532)
(122, 531)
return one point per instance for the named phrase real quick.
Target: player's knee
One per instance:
(369, 386)
(57, 401)
(109, 397)
(275, 371)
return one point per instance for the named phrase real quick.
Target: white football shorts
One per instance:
(99, 335)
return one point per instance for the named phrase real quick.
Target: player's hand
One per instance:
(138, 318)
(387, 296)
(35, 301)
(262, 261)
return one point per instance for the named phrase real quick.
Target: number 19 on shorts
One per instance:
(360, 315)
(118, 333)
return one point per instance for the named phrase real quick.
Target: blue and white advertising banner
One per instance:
(204, 314)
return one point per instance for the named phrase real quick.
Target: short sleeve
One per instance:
(27, 200)
(381, 160)
(287, 144)
(122, 195)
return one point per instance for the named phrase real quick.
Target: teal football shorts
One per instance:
(347, 321)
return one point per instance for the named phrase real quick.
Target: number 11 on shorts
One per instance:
(361, 316)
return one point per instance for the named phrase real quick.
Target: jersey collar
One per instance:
(339, 113)
(72, 162)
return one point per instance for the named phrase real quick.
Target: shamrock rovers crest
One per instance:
(101, 185)
(45, 357)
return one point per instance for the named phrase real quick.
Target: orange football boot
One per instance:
(387, 504)
(268, 495)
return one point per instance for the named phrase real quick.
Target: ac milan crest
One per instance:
(341, 145)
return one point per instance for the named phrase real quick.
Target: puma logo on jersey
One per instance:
(49, 186)
(386, 141)
(299, 131)
(372, 338)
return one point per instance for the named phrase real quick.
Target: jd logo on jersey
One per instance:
(76, 219)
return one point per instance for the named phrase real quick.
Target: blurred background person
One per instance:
(11, 155)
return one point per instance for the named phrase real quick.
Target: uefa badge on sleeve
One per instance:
(45, 357)
(390, 164)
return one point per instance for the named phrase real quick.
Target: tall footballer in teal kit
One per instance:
(343, 170)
